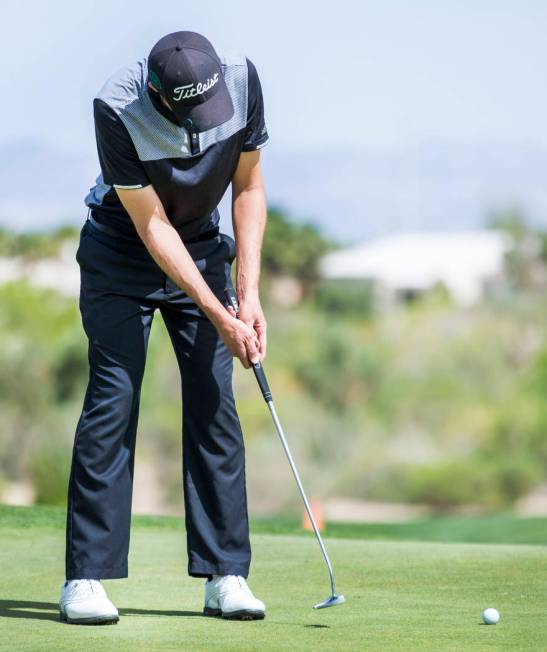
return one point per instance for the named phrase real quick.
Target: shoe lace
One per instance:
(234, 583)
(82, 587)
(243, 583)
(227, 582)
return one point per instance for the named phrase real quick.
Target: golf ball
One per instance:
(490, 616)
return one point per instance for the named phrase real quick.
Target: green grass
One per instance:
(401, 595)
(499, 528)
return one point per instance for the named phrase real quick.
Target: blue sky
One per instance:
(383, 115)
(380, 74)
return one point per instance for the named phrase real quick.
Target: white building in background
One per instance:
(409, 264)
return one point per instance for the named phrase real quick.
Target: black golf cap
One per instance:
(185, 69)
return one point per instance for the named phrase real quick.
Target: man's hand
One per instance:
(240, 339)
(251, 314)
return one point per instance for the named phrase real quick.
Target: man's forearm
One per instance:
(169, 252)
(249, 220)
(165, 246)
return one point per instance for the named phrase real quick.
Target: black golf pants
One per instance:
(121, 288)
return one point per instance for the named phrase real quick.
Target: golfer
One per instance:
(173, 132)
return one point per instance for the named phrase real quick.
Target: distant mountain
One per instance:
(42, 186)
(363, 194)
(353, 195)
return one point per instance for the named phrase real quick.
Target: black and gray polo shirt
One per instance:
(139, 145)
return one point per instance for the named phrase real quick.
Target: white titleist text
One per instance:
(191, 90)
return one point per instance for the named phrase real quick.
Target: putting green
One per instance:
(400, 596)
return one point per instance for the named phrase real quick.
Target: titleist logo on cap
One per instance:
(191, 90)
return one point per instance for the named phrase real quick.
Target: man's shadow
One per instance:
(50, 610)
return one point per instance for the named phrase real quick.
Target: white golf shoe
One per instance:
(230, 597)
(84, 602)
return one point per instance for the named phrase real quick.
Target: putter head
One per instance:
(330, 602)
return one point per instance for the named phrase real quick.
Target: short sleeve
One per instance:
(118, 157)
(256, 134)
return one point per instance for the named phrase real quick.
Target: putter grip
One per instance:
(231, 296)
(257, 367)
(262, 381)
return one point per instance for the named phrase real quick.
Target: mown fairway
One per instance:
(400, 595)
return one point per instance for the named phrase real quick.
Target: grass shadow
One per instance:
(34, 610)
(159, 612)
(29, 609)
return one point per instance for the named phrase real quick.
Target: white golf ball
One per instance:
(490, 616)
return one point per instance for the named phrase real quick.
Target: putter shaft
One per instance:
(281, 434)
(267, 395)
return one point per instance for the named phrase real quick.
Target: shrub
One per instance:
(345, 298)
(292, 249)
(339, 369)
(49, 468)
(495, 482)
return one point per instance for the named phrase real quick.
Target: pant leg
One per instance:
(213, 450)
(101, 479)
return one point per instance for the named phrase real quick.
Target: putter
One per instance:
(334, 599)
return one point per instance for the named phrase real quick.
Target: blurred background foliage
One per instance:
(426, 403)
(35, 244)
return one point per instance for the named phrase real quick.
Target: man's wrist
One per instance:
(247, 292)
(218, 316)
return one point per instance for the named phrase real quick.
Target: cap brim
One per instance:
(210, 114)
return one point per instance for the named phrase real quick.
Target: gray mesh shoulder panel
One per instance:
(235, 71)
(154, 136)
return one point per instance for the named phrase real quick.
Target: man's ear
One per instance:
(155, 90)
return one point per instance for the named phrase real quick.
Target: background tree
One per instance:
(292, 249)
